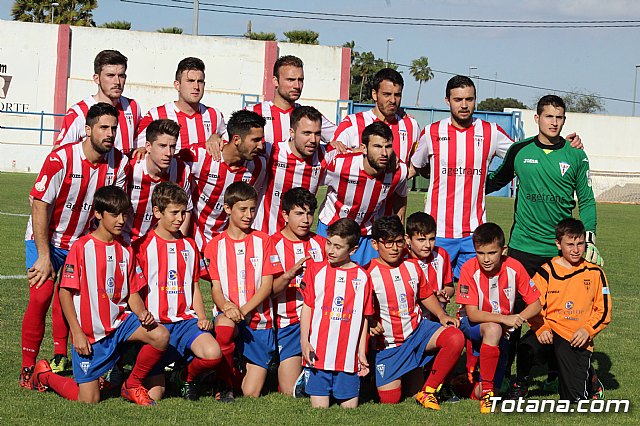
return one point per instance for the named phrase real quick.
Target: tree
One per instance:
(170, 30)
(301, 36)
(117, 25)
(499, 104)
(71, 12)
(421, 72)
(262, 36)
(582, 101)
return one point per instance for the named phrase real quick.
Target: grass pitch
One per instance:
(616, 356)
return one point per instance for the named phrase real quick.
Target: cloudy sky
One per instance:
(600, 60)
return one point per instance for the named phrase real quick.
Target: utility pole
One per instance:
(196, 12)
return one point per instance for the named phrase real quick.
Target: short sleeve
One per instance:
(447, 273)
(503, 142)
(403, 188)
(271, 264)
(138, 280)
(368, 309)
(209, 260)
(49, 180)
(420, 157)
(309, 292)
(467, 291)
(526, 286)
(72, 269)
(425, 289)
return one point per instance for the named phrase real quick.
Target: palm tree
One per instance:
(262, 36)
(301, 36)
(117, 25)
(365, 65)
(170, 30)
(71, 12)
(421, 72)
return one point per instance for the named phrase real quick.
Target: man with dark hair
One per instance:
(158, 165)
(110, 74)
(387, 94)
(296, 162)
(365, 186)
(199, 124)
(240, 161)
(61, 212)
(288, 79)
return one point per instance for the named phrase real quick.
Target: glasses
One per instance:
(389, 244)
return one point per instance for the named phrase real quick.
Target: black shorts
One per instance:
(531, 262)
(573, 369)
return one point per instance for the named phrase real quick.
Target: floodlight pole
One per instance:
(196, 12)
(389, 40)
(635, 86)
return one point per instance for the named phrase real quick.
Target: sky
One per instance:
(597, 60)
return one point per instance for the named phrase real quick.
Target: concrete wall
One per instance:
(51, 68)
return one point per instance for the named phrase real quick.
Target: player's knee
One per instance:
(491, 332)
(159, 337)
(453, 337)
(211, 351)
(250, 390)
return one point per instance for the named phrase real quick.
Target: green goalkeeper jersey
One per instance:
(548, 178)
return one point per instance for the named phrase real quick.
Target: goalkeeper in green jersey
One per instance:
(549, 173)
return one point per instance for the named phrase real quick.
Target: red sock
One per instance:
(59, 326)
(34, 320)
(147, 358)
(391, 396)
(199, 366)
(472, 359)
(488, 363)
(63, 386)
(224, 336)
(450, 343)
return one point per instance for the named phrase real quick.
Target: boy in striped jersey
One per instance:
(406, 340)
(94, 292)
(333, 322)
(242, 263)
(487, 292)
(167, 285)
(295, 245)
(576, 307)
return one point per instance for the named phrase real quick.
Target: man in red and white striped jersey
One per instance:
(242, 263)
(198, 123)
(333, 322)
(110, 74)
(406, 340)
(288, 79)
(294, 163)
(365, 186)
(61, 212)
(240, 161)
(387, 94)
(295, 245)
(159, 165)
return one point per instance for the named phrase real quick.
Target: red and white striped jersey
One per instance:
(195, 129)
(279, 122)
(73, 125)
(459, 162)
(353, 193)
(437, 268)
(406, 132)
(495, 293)
(141, 186)
(67, 183)
(169, 272)
(339, 300)
(210, 180)
(398, 292)
(286, 171)
(288, 304)
(100, 274)
(239, 265)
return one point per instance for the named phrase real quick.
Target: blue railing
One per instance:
(40, 129)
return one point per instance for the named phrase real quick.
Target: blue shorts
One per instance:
(341, 385)
(365, 251)
(460, 250)
(393, 363)
(288, 340)
(57, 255)
(471, 331)
(181, 336)
(105, 352)
(257, 346)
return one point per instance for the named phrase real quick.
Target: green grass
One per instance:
(616, 356)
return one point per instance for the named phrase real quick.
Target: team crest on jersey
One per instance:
(385, 188)
(108, 179)
(478, 140)
(380, 368)
(185, 255)
(356, 283)
(41, 185)
(315, 170)
(254, 261)
(123, 267)
(403, 135)
(564, 167)
(207, 125)
(507, 292)
(587, 284)
(84, 366)
(315, 254)
(129, 117)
